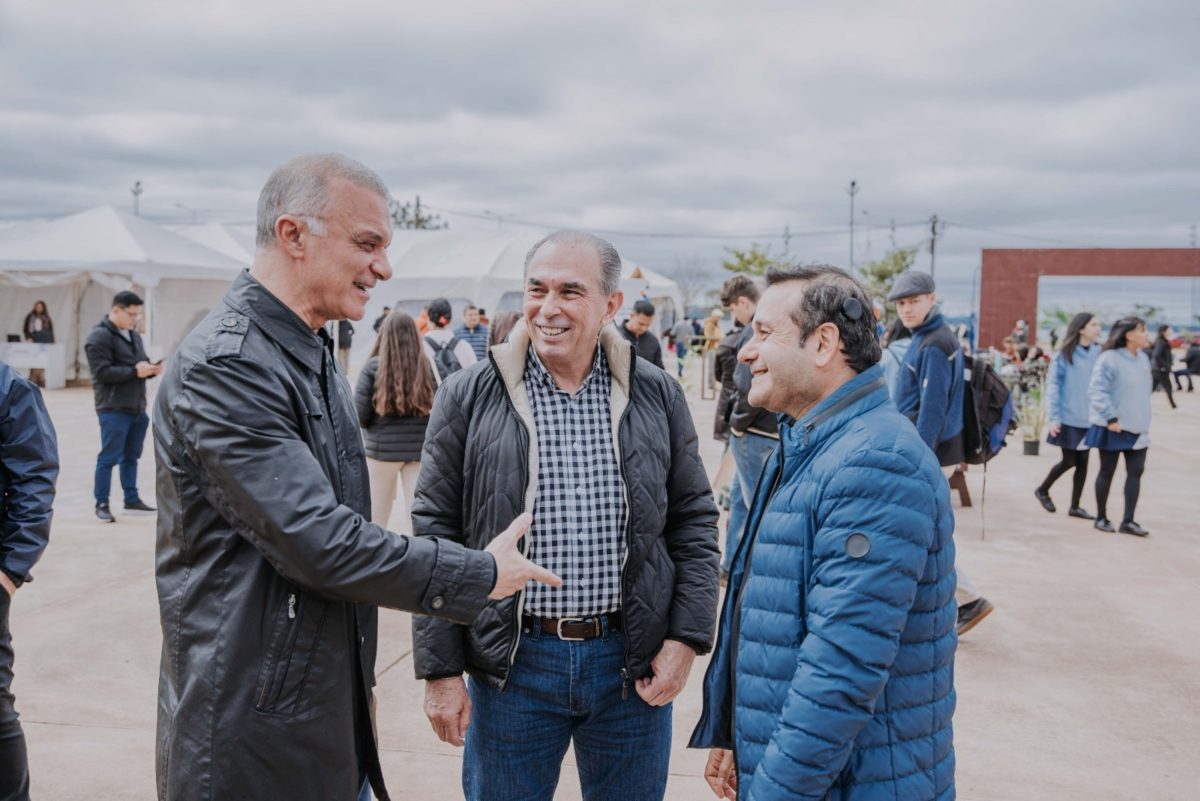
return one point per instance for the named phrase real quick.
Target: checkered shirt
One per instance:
(579, 509)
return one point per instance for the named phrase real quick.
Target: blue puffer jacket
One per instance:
(833, 676)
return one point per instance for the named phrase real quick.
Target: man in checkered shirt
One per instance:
(567, 422)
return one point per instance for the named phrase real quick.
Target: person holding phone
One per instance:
(120, 368)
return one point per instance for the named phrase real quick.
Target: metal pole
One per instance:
(933, 221)
(852, 191)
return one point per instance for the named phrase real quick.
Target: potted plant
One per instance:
(1029, 405)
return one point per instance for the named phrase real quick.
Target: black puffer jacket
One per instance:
(112, 361)
(387, 438)
(268, 570)
(479, 472)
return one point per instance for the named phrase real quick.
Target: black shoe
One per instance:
(1103, 525)
(1133, 528)
(1080, 512)
(103, 512)
(1044, 497)
(139, 506)
(970, 614)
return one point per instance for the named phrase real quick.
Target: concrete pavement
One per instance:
(1084, 684)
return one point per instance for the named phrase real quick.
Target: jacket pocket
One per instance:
(289, 656)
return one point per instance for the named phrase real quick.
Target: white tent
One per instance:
(77, 263)
(487, 270)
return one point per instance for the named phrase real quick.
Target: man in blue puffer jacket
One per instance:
(833, 675)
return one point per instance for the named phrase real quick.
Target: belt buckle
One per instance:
(562, 636)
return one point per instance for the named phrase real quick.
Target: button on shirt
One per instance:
(579, 508)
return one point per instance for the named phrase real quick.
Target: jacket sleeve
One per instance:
(1058, 373)
(363, 392)
(257, 470)
(934, 381)
(101, 363)
(691, 533)
(658, 359)
(437, 515)
(29, 459)
(856, 609)
(1100, 395)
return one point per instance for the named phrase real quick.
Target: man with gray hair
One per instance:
(565, 422)
(268, 567)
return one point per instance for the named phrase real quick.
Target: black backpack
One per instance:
(443, 356)
(987, 411)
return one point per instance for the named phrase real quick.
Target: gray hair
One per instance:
(301, 188)
(610, 260)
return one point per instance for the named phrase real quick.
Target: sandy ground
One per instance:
(1084, 684)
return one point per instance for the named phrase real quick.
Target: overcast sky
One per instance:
(1063, 123)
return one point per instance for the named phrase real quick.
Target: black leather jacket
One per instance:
(268, 569)
(475, 479)
(111, 361)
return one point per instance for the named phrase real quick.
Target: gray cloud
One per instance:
(1072, 122)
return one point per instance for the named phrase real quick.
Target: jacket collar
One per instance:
(860, 394)
(277, 321)
(510, 357)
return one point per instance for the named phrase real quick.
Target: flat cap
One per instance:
(911, 283)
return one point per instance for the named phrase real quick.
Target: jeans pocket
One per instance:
(290, 651)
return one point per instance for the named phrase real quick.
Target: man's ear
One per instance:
(289, 235)
(829, 343)
(615, 301)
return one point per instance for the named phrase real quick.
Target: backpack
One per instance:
(443, 356)
(987, 411)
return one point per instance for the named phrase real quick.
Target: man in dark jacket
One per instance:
(637, 330)
(755, 431)
(268, 568)
(833, 673)
(929, 392)
(565, 422)
(119, 366)
(28, 470)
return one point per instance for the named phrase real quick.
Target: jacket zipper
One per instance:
(625, 678)
(736, 623)
(520, 606)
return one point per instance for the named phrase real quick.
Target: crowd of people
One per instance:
(558, 543)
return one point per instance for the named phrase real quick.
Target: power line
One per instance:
(1016, 235)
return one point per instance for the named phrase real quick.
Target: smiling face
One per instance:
(338, 269)
(565, 306)
(914, 309)
(783, 372)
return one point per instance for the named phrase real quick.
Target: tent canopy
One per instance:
(76, 263)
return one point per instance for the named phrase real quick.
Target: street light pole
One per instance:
(852, 191)
(136, 190)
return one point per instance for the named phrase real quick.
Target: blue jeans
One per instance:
(750, 452)
(121, 438)
(558, 692)
(735, 523)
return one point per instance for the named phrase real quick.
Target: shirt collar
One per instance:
(540, 375)
(278, 322)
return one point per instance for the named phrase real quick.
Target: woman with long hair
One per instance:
(501, 326)
(38, 325)
(393, 398)
(1161, 361)
(1119, 413)
(1067, 408)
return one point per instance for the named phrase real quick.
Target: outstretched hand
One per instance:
(513, 570)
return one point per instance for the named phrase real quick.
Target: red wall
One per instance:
(1009, 279)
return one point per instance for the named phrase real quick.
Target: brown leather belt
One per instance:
(574, 628)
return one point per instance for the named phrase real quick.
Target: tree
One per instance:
(754, 261)
(409, 215)
(879, 275)
(1151, 314)
(693, 279)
